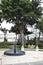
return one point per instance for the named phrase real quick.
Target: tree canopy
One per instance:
(40, 26)
(20, 12)
(20, 9)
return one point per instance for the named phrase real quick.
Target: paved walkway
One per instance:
(33, 63)
(30, 58)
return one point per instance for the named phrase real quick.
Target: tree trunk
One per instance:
(22, 40)
(38, 42)
(21, 28)
(39, 37)
(22, 48)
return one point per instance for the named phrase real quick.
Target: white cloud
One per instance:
(41, 4)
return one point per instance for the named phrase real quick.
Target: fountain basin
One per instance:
(12, 53)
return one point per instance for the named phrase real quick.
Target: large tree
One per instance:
(20, 12)
(40, 27)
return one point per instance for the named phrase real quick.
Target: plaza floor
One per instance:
(30, 58)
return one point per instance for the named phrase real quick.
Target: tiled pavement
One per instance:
(33, 63)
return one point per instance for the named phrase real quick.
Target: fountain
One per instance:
(11, 39)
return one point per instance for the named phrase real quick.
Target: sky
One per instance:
(41, 3)
(6, 25)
